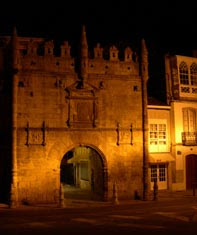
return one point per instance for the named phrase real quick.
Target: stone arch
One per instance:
(94, 168)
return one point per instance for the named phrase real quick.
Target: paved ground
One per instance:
(171, 214)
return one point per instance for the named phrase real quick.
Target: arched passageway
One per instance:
(191, 171)
(82, 174)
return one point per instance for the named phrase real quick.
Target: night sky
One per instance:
(166, 26)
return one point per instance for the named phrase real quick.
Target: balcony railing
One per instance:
(189, 91)
(189, 138)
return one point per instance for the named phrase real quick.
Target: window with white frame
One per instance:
(189, 135)
(189, 120)
(158, 172)
(158, 137)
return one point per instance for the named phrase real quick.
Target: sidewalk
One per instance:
(169, 195)
(163, 196)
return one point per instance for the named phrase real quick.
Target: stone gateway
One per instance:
(79, 122)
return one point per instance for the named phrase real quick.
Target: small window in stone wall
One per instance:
(84, 170)
(20, 84)
(135, 88)
(23, 52)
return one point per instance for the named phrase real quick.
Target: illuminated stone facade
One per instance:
(66, 114)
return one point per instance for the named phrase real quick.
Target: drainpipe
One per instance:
(14, 186)
(144, 79)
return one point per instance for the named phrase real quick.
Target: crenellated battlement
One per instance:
(39, 54)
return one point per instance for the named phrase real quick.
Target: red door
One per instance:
(191, 171)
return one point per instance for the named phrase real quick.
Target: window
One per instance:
(188, 76)
(193, 73)
(158, 172)
(189, 120)
(183, 70)
(153, 173)
(189, 135)
(162, 172)
(157, 137)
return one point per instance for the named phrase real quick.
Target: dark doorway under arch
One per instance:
(191, 171)
(82, 174)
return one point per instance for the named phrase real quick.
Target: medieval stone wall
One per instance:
(56, 112)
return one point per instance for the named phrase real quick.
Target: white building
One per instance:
(160, 155)
(173, 127)
(181, 81)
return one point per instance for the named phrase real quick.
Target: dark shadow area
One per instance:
(5, 123)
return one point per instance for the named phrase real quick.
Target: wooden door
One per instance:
(191, 171)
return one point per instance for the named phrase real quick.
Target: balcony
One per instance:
(189, 138)
(189, 91)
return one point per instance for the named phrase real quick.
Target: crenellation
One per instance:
(128, 54)
(65, 50)
(31, 59)
(98, 52)
(135, 57)
(35, 54)
(113, 53)
(32, 48)
(49, 48)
